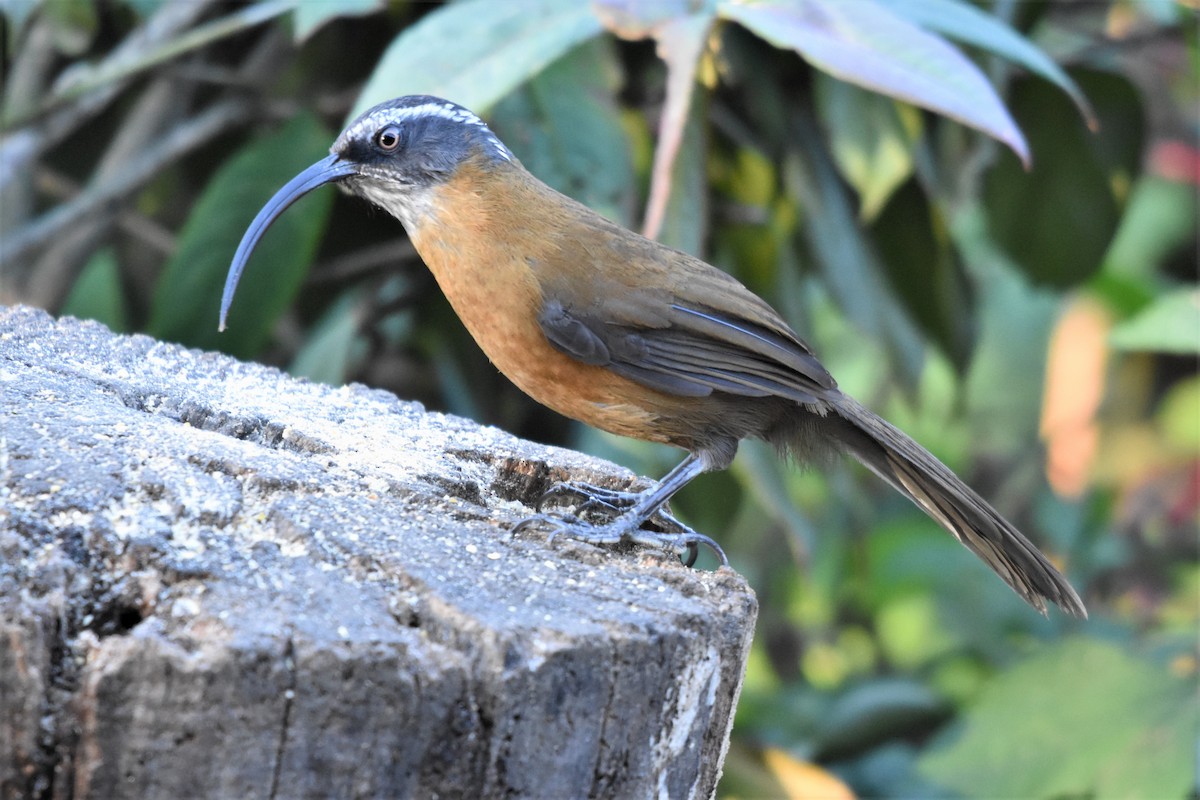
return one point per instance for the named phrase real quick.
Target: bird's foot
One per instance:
(590, 500)
(621, 522)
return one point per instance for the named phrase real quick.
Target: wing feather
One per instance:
(701, 352)
(667, 320)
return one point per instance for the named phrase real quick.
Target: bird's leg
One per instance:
(588, 499)
(636, 509)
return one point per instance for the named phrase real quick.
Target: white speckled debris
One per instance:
(220, 581)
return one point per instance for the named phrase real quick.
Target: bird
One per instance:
(627, 335)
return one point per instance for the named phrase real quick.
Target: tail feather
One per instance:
(915, 472)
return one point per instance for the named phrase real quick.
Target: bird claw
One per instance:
(619, 521)
(681, 542)
(588, 498)
(554, 525)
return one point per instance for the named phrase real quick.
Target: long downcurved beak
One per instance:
(327, 170)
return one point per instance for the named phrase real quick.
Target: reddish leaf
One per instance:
(680, 43)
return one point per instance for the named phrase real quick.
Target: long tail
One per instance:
(916, 473)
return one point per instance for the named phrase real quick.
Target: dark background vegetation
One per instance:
(1036, 328)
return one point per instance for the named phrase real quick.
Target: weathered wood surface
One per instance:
(219, 581)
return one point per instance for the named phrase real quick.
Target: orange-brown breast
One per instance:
(479, 242)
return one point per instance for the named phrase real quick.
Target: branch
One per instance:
(173, 146)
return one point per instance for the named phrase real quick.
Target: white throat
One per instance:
(412, 205)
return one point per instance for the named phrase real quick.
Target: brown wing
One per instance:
(701, 351)
(673, 323)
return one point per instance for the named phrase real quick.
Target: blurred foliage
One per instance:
(982, 215)
(193, 278)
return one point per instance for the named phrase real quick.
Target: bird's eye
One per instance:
(389, 138)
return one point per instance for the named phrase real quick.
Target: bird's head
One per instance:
(395, 155)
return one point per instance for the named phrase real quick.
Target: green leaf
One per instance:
(565, 127)
(312, 14)
(1015, 319)
(931, 596)
(144, 8)
(912, 243)
(753, 245)
(764, 477)
(848, 266)
(1160, 219)
(97, 293)
(16, 12)
(1056, 221)
(1178, 419)
(635, 21)
(82, 78)
(888, 771)
(966, 23)
(911, 632)
(189, 293)
(1170, 325)
(1124, 295)
(876, 711)
(872, 143)
(334, 345)
(475, 52)
(72, 23)
(862, 42)
(1082, 719)
(906, 556)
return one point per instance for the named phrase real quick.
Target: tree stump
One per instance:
(220, 581)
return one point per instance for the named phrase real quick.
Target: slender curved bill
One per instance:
(327, 170)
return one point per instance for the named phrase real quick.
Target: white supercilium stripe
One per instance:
(393, 116)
